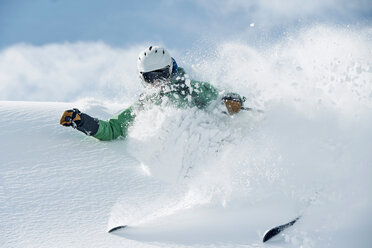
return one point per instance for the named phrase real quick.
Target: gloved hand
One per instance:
(80, 121)
(71, 118)
(233, 102)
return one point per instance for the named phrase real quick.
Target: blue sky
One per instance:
(177, 24)
(88, 48)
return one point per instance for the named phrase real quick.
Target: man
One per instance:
(167, 84)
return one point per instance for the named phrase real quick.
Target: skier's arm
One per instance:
(99, 129)
(116, 126)
(203, 93)
(80, 121)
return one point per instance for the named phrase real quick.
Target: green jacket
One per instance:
(181, 92)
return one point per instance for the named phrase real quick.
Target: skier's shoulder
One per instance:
(179, 78)
(179, 74)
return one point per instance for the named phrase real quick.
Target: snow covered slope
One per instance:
(200, 178)
(58, 187)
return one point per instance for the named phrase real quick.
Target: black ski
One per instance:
(116, 228)
(278, 229)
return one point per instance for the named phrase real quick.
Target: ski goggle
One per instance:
(151, 76)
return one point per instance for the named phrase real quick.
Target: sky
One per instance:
(54, 50)
(179, 24)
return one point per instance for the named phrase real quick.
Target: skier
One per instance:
(166, 84)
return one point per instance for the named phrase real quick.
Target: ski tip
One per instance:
(116, 228)
(278, 229)
(269, 234)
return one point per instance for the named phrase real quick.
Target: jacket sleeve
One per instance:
(116, 126)
(203, 93)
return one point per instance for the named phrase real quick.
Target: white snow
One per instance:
(191, 178)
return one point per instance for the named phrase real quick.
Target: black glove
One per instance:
(80, 121)
(233, 102)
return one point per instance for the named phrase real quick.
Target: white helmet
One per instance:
(154, 58)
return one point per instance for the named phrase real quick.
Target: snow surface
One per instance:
(191, 178)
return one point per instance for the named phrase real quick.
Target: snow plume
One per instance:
(311, 66)
(308, 153)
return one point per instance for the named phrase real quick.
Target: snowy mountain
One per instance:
(191, 178)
